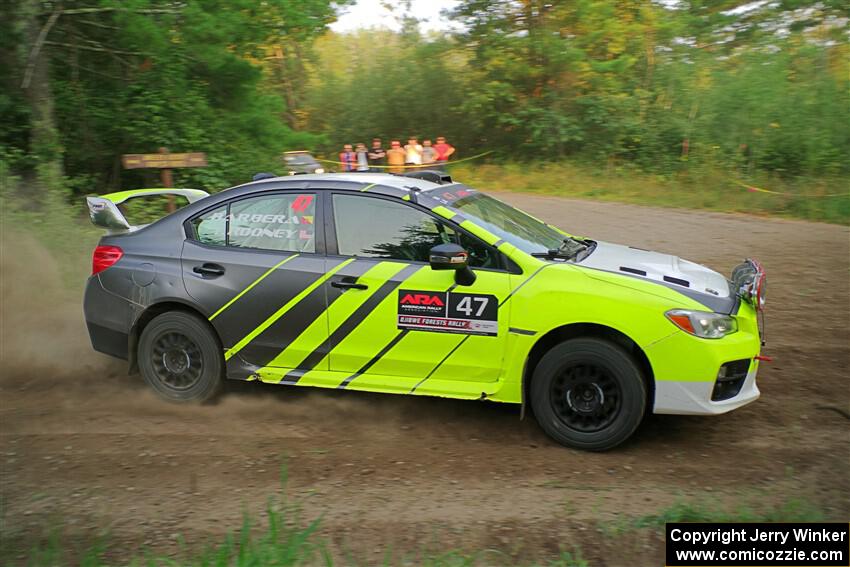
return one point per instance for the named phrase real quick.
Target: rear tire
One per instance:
(180, 358)
(588, 394)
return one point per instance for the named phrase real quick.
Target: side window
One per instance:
(377, 228)
(274, 222)
(211, 227)
(480, 255)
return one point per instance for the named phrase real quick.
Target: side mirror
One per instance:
(452, 257)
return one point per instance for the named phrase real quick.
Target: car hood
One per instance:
(694, 280)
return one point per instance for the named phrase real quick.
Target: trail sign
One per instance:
(164, 162)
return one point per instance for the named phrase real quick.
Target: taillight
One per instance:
(104, 257)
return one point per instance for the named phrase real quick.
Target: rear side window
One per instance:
(283, 222)
(274, 222)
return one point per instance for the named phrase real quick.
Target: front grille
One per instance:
(730, 379)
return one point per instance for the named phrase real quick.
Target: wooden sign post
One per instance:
(164, 162)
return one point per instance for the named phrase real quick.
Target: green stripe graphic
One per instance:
(280, 312)
(254, 283)
(340, 310)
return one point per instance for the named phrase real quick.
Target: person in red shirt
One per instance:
(444, 150)
(348, 158)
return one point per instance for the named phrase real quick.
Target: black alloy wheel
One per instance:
(180, 357)
(588, 393)
(586, 397)
(176, 360)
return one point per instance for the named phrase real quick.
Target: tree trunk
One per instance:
(44, 136)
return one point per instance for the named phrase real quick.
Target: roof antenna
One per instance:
(414, 193)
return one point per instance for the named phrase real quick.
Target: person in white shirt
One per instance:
(362, 157)
(412, 152)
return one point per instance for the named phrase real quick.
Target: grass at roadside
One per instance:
(63, 230)
(684, 511)
(287, 539)
(694, 511)
(823, 199)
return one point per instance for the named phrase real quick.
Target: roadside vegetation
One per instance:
(668, 103)
(62, 228)
(286, 538)
(695, 511)
(818, 199)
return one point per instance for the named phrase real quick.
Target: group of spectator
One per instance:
(397, 158)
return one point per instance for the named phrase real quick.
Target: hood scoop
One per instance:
(634, 271)
(677, 281)
(662, 268)
(668, 279)
(697, 282)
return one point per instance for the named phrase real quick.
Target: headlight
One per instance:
(319, 170)
(702, 323)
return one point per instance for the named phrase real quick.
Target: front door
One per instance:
(254, 266)
(420, 324)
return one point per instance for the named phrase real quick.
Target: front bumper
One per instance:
(686, 369)
(694, 398)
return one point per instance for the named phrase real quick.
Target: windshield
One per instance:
(510, 224)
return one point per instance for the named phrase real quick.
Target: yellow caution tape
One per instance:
(423, 166)
(747, 186)
(754, 189)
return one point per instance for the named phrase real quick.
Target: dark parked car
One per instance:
(301, 161)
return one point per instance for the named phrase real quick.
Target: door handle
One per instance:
(342, 284)
(209, 270)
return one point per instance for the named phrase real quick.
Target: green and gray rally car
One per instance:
(418, 285)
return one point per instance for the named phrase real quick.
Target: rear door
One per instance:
(256, 265)
(404, 333)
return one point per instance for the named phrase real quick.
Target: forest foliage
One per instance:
(753, 88)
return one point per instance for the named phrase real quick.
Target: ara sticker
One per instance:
(448, 312)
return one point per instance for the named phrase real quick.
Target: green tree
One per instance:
(131, 76)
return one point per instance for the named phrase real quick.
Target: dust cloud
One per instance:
(45, 348)
(43, 336)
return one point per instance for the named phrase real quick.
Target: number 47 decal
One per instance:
(465, 305)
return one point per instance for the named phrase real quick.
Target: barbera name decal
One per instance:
(268, 225)
(263, 218)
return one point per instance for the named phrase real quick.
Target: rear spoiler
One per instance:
(432, 175)
(104, 211)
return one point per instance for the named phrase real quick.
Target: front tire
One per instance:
(180, 358)
(588, 394)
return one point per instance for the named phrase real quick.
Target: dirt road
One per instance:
(86, 447)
